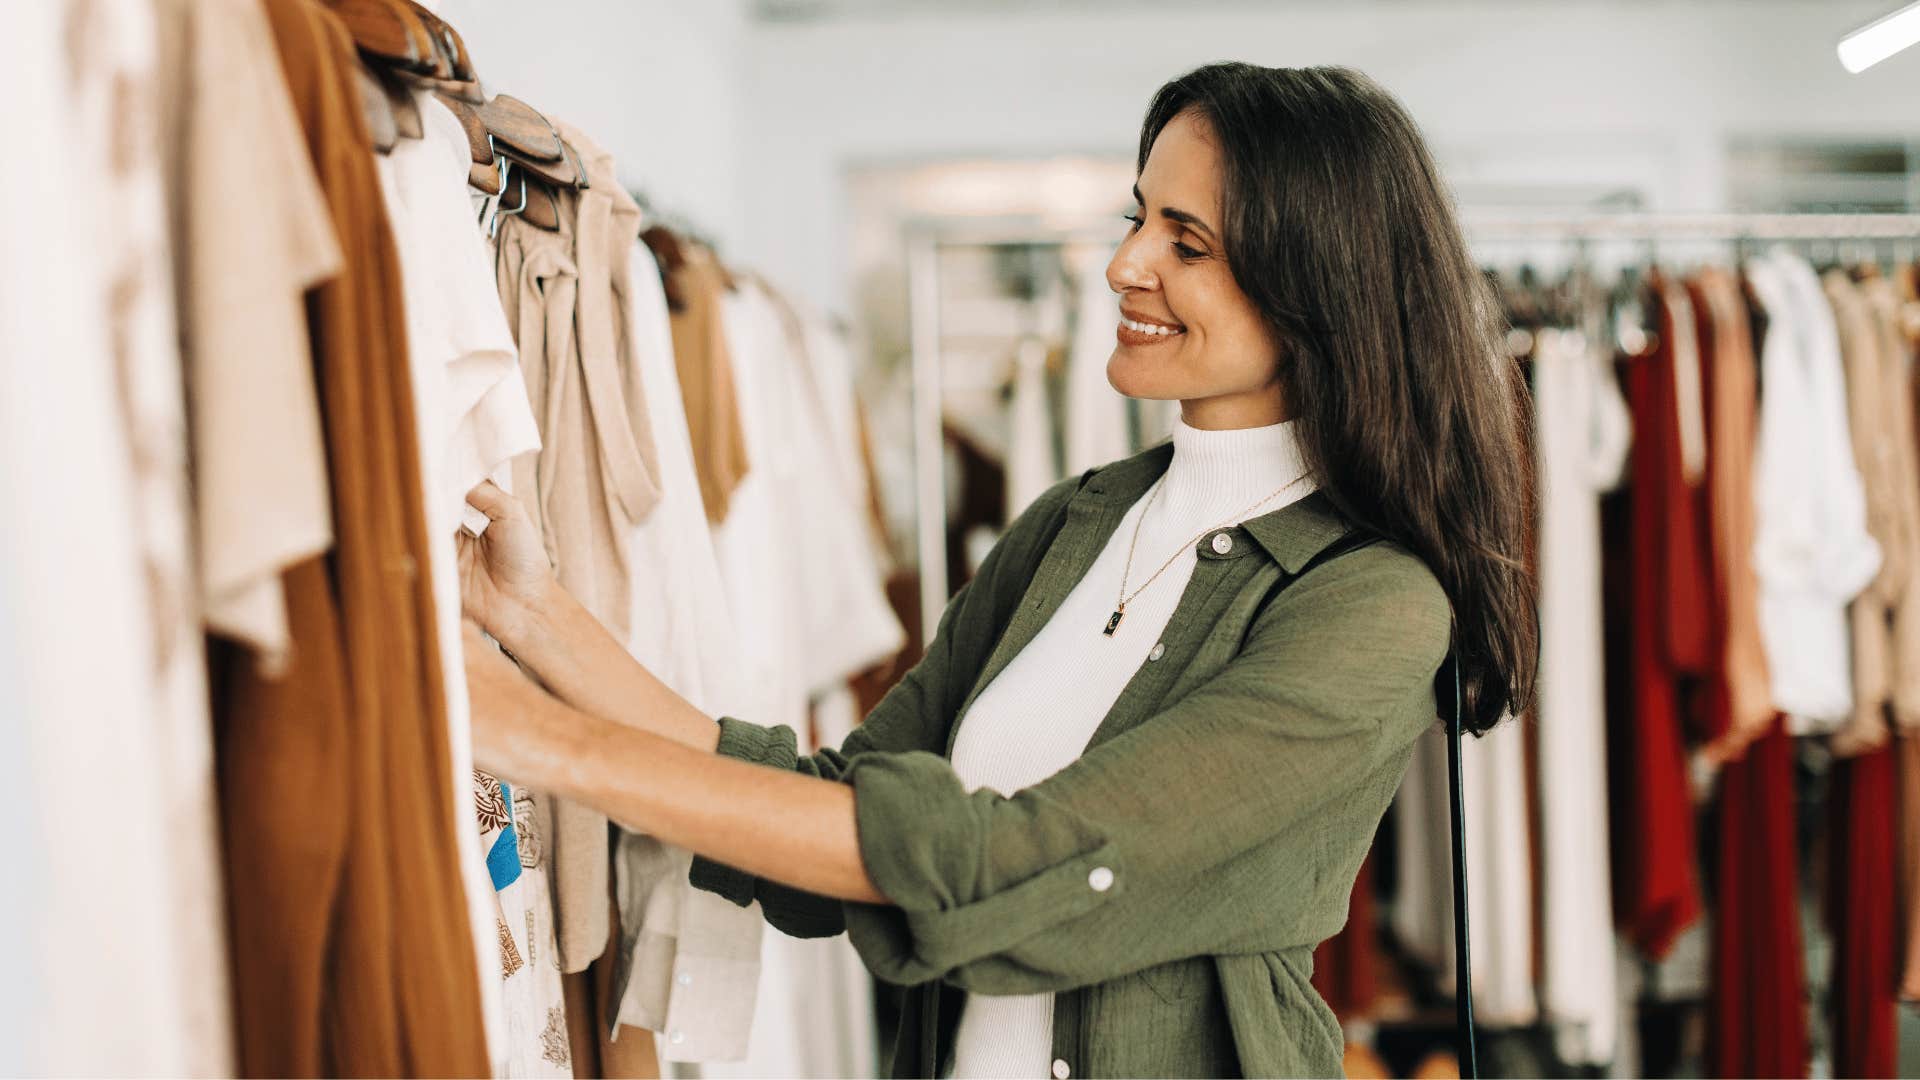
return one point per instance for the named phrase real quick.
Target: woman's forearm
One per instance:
(794, 829)
(568, 649)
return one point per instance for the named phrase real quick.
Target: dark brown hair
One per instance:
(1410, 416)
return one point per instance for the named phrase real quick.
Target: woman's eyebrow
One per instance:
(1192, 221)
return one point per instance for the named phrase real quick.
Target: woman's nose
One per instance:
(1129, 270)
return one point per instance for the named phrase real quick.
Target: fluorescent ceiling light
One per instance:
(1880, 38)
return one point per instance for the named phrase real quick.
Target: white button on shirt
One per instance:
(1060, 1069)
(1029, 723)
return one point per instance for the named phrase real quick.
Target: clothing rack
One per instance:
(1495, 224)
(925, 243)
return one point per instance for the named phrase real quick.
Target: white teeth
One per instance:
(1147, 328)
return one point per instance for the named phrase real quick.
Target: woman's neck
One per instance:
(1215, 474)
(1259, 407)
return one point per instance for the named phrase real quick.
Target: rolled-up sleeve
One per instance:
(1225, 823)
(914, 716)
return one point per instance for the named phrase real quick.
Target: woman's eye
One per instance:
(1135, 219)
(1186, 252)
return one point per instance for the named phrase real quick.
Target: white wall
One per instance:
(659, 83)
(746, 129)
(1635, 91)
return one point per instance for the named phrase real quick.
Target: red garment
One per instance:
(1343, 965)
(1668, 644)
(1757, 1011)
(1867, 936)
(1756, 1016)
(1907, 768)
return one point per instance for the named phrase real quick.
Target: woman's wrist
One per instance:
(524, 623)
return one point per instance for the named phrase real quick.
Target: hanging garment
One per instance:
(1655, 878)
(1582, 436)
(1886, 615)
(1861, 911)
(595, 476)
(1756, 1008)
(1812, 550)
(695, 284)
(381, 932)
(243, 194)
(473, 418)
(688, 964)
(847, 625)
(251, 234)
(1423, 898)
(1344, 964)
(1907, 943)
(1891, 317)
(114, 50)
(1742, 694)
(533, 996)
(1499, 870)
(112, 881)
(814, 1013)
(1096, 413)
(1757, 972)
(855, 594)
(1030, 461)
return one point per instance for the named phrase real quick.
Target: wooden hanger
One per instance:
(382, 128)
(478, 144)
(484, 178)
(521, 133)
(448, 42)
(668, 253)
(406, 108)
(389, 32)
(455, 75)
(520, 130)
(568, 171)
(533, 202)
(543, 206)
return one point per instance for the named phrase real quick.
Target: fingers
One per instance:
(491, 501)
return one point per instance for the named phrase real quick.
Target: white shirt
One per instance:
(695, 956)
(1030, 723)
(810, 612)
(472, 418)
(1584, 432)
(1811, 551)
(1096, 413)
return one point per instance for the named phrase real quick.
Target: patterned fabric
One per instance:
(493, 804)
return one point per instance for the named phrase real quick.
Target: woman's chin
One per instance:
(1138, 380)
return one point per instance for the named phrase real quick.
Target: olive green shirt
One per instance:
(1170, 885)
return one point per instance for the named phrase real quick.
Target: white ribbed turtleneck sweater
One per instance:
(1036, 717)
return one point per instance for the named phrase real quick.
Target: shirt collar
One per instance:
(1292, 535)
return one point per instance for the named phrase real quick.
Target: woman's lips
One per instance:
(1140, 332)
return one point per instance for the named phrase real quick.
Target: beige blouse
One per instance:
(595, 477)
(1886, 615)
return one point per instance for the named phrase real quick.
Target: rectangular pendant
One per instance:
(1112, 624)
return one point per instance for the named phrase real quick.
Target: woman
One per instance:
(1101, 826)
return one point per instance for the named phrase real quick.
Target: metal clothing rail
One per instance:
(925, 243)
(1488, 225)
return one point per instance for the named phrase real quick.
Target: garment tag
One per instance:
(472, 522)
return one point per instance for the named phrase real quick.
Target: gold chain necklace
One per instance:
(1120, 609)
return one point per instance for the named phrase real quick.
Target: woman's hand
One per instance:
(512, 727)
(504, 574)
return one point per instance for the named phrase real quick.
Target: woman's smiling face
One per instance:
(1187, 331)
